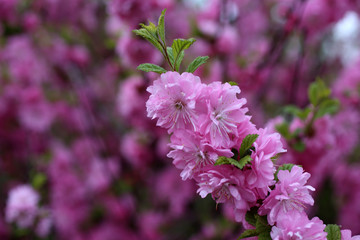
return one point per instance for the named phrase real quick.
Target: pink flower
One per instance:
(150, 225)
(192, 152)
(131, 11)
(267, 145)
(290, 194)
(29, 67)
(346, 235)
(296, 225)
(347, 85)
(172, 191)
(226, 184)
(134, 147)
(131, 101)
(224, 113)
(35, 112)
(173, 100)
(44, 225)
(22, 206)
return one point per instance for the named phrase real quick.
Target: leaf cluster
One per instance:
(321, 104)
(173, 55)
(262, 228)
(333, 232)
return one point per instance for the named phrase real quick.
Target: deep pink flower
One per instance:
(131, 11)
(296, 225)
(150, 223)
(290, 194)
(134, 147)
(35, 112)
(173, 100)
(172, 191)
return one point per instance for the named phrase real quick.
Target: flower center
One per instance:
(179, 105)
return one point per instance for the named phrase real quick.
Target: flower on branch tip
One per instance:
(173, 100)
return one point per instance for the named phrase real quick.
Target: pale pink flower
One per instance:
(173, 100)
(296, 225)
(225, 112)
(191, 152)
(290, 194)
(22, 206)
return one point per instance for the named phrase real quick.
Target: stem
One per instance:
(166, 56)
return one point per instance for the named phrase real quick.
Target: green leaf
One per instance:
(263, 228)
(318, 91)
(181, 45)
(197, 62)
(291, 109)
(264, 236)
(233, 83)
(333, 231)
(170, 54)
(304, 113)
(180, 58)
(178, 46)
(328, 106)
(225, 160)
(172, 59)
(148, 67)
(248, 233)
(299, 146)
(161, 26)
(286, 166)
(250, 216)
(39, 180)
(151, 29)
(148, 36)
(283, 129)
(274, 158)
(245, 160)
(246, 144)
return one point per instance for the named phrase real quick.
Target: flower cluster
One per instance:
(214, 142)
(208, 122)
